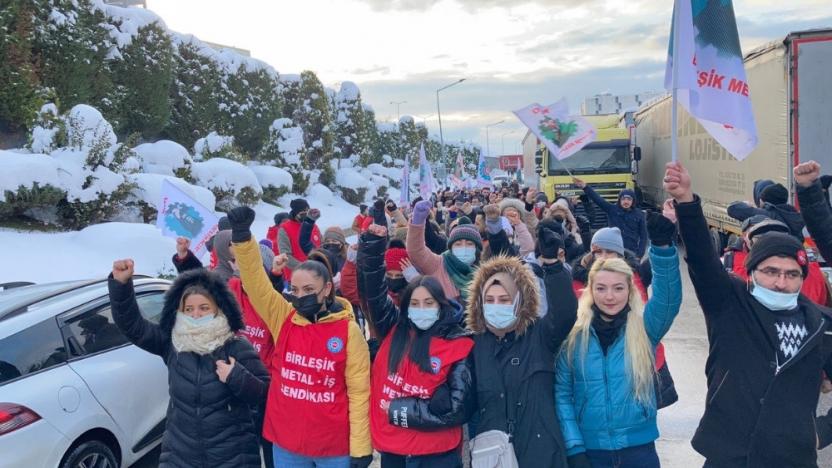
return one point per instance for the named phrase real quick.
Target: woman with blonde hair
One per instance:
(604, 389)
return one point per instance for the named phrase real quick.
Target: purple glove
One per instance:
(421, 212)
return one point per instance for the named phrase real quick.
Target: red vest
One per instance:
(307, 412)
(814, 286)
(292, 228)
(410, 380)
(256, 331)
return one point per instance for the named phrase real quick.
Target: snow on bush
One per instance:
(270, 176)
(163, 157)
(212, 146)
(230, 181)
(27, 170)
(85, 126)
(82, 183)
(350, 178)
(321, 194)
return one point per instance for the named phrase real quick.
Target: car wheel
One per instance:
(90, 454)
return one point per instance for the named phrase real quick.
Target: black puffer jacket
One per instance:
(384, 315)
(515, 375)
(209, 423)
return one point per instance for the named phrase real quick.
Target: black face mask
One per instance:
(307, 306)
(333, 248)
(396, 284)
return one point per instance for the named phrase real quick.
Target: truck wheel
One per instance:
(718, 241)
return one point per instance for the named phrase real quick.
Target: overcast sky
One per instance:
(511, 53)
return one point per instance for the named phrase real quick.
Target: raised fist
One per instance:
(123, 270)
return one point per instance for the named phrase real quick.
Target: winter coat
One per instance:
(274, 309)
(595, 401)
(190, 262)
(816, 212)
(784, 213)
(209, 423)
(758, 413)
(514, 375)
(632, 222)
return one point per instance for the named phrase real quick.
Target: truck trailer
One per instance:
(791, 95)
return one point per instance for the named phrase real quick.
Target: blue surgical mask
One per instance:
(500, 316)
(196, 322)
(466, 255)
(773, 300)
(423, 318)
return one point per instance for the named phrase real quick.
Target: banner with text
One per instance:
(182, 216)
(563, 134)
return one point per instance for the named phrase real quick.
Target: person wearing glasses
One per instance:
(768, 346)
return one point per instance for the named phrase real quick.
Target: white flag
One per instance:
(711, 83)
(483, 174)
(563, 135)
(426, 182)
(182, 216)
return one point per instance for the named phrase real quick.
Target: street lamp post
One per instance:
(487, 139)
(439, 115)
(503, 141)
(398, 106)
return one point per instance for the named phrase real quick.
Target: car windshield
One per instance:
(15, 298)
(592, 160)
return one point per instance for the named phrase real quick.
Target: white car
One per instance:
(73, 391)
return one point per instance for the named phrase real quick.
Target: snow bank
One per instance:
(74, 174)
(225, 174)
(321, 194)
(162, 157)
(149, 189)
(86, 125)
(270, 176)
(351, 179)
(18, 169)
(212, 143)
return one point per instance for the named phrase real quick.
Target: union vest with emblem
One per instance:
(292, 228)
(410, 381)
(308, 404)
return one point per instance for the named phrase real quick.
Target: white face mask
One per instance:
(501, 316)
(466, 255)
(773, 300)
(423, 318)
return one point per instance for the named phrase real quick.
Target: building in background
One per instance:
(602, 104)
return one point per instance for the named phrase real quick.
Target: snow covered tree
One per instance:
(285, 148)
(411, 139)
(349, 121)
(254, 105)
(313, 116)
(389, 140)
(368, 138)
(289, 91)
(19, 81)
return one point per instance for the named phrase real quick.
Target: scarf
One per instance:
(608, 331)
(460, 273)
(200, 339)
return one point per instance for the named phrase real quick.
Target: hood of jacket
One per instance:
(222, 247)
(452, 326)
(759, 186)
(515, 203)
(527, 286)
(789, 215)
(214, 284)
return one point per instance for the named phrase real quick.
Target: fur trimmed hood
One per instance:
(527, 286)
(212, 282)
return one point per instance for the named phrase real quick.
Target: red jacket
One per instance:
(814, 286)
(271, 235)
(256, 330)
(349, 283)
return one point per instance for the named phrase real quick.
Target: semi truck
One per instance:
(605, 165)
(792, 100)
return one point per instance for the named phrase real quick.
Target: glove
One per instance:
(550, 243)
(579, 460)
(379, 216)
(582, 221)
(313, 214)
(420, 212)
(661, 230)
(440, 401)
(361, 462)
(241, 219)
(391, 206)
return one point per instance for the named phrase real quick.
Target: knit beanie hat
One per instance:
(297, 205)
(393, 258)
(280, 217)
(776, 244)
(362, 208)
(753, 221)
(267, 243)
(224, 224)
(541, 197)
(766, 226)
(627, 193)
(335, 233)
(775, 194)
(609, 238)
(465, 230)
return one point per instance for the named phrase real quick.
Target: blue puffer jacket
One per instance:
(594, 399)
(632, 222)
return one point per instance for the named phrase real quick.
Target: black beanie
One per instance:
(775, 194)
(224, 224)
(297, 205)
(777, 244)
(280, 217)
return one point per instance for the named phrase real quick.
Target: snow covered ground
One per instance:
(89, 253)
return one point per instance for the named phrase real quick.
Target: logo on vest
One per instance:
(335, 345)
(435, 364)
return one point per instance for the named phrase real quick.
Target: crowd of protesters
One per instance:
(493, 328)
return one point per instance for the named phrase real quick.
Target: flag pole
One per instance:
(565, 168)
(674, 137)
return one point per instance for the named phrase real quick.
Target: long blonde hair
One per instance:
(638, 350)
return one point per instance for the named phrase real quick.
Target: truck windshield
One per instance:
(593, 160)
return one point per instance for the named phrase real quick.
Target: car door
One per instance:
(128, 382)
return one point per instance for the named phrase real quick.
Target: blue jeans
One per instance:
(286, 459)
(640, 456)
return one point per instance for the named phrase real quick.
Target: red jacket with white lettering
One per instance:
(256, 330)
(319, 397)
(393, 429)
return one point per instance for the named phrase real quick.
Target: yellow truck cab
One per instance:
(606, 165)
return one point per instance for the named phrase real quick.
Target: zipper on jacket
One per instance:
(609, 403)
(198, 410)
(780, 367)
